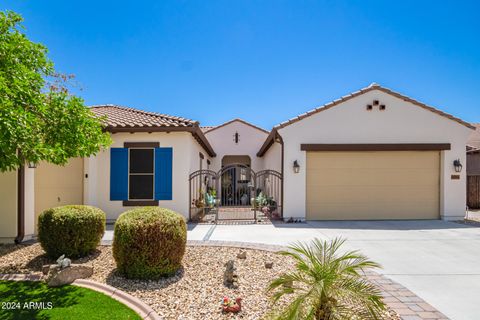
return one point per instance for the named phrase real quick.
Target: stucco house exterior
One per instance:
(373, 154)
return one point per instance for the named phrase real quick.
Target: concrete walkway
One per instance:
(438, 261)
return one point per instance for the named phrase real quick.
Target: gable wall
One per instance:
(250, 141)
(401, 122)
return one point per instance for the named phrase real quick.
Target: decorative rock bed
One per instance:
(196, 292)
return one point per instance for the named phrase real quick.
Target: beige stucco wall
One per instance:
(401, 122)
(8, 209)
(30, 219)
(272, 159)
(250, 141)
(58, 185)
(185, 159)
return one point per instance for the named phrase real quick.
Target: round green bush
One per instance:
(149, 242)
(73, 230)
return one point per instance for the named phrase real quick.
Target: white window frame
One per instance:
(141, 174)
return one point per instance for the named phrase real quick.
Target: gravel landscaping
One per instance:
(193, 293)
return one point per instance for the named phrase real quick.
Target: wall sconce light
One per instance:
(32, 165)
(296, 166)
(458, 165)
(236, 137)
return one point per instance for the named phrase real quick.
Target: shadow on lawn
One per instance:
(26, 293)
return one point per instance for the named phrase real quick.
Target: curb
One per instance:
(236, 244)
(20, 277)
(137, 305)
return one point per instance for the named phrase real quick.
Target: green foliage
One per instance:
(327, 284)
(149, 242)
(39, 119)
(73, 230)
(68, 303)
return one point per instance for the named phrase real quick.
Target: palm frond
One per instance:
(327, 283)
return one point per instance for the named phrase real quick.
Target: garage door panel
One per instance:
(379, 160)
(365, 212)
(392, 194)
(349, 176)
(372, 185)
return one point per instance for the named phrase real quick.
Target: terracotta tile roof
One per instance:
(124, 117)
(207, 128)
(371, 87)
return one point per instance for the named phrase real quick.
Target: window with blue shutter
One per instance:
(163, 173)
(138, 174)
(118, 174)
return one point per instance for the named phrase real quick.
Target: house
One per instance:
(473, 169)
(373, 154)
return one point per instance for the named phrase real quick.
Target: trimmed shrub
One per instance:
(149, 242)
(73, 230)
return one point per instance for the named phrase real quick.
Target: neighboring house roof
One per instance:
(124, 119)
(273, 134)
(474, 139)
(235, 120)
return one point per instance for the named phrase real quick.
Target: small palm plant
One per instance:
(327, 284)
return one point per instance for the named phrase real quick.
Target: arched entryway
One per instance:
(235, 192)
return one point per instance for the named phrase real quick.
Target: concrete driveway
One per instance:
(439, 261)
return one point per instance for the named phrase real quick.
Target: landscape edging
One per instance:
(137, 305)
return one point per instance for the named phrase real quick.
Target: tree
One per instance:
(327, 285)
(40, 120)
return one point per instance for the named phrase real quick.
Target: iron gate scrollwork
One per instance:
(235, 192)
(269, 197)
(203, 197)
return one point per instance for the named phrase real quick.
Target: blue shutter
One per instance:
(118, 174)
(163, 173)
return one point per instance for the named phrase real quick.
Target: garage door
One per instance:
(58, 185)
(373, 185)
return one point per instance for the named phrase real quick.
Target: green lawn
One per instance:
(31, 300)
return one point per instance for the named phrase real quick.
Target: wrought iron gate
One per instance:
(269, 197)
(203, 197)
(235, 192)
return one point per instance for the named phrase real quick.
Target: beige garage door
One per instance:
(58, 185)
(373, 185)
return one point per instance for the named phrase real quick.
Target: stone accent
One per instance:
(230, 277)
(58, 276)
(242, 255)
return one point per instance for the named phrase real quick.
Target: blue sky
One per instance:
(263, 61)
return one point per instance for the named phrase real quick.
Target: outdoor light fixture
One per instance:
(236, 137)
(458, 165)
(32, 165)
(296, 166)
